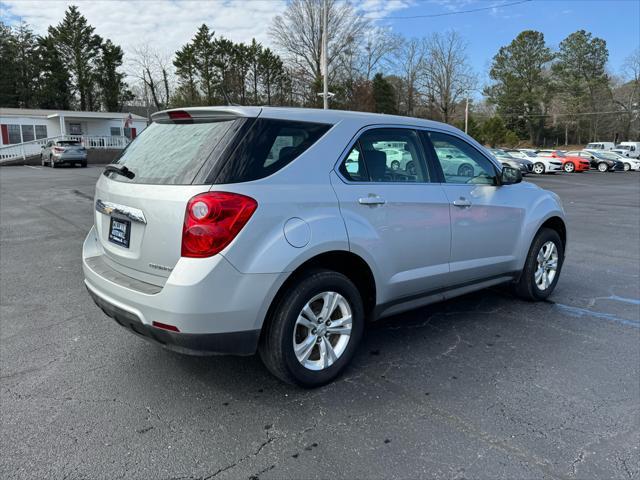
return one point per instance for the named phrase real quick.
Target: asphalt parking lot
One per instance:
(484, 386)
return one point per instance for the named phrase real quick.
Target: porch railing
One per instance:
(34, 147)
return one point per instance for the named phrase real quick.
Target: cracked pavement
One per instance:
(483, 386)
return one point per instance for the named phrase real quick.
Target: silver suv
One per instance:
(242, 229)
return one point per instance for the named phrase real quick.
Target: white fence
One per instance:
(34, 147)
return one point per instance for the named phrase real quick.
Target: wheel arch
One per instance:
(351, 265)
(556, 223)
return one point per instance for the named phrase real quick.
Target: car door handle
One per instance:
(462, 202)
(372, 200)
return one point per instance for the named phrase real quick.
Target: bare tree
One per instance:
(377, 50)
(447, 73)
(155, 72)
(298, 35)
(411, 68)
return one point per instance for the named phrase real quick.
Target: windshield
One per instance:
(623, 147)
(68, 143)
(171, 153)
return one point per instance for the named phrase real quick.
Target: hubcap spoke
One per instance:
(307, 312)
(340, 330)
(306, 323)
(303, 350)
(330, 302)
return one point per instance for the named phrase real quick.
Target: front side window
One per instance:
(460, 162)
(386, 155)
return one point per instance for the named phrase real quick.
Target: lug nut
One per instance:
(314, 331)
(328, 323)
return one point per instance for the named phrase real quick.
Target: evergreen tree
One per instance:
(54, 90)
(384, 95)
(113, 88)
(522, 89)
(79, 48)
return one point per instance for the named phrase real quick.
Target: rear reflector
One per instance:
(212, 220)
(179, 115)
(164, 326)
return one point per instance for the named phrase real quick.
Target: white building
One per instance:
(23, 131)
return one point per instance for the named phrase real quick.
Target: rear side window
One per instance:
(171, 153)
(268, 146)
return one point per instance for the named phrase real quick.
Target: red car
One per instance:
(570, 163)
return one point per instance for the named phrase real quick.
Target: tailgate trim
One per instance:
(109, 208)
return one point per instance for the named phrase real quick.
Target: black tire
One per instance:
(603, 167)
(526, 286)
(52, 164)
(395, 165)
(627, 167)
(569, 167)
(83, 165)
(276, 343)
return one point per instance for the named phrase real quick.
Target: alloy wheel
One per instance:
(627, 167)
(569, 167)
(547, 265)
(322, 331)
(603, 167)
(538, 168)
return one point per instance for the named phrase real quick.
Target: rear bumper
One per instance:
(216, 308)
(231, 343)
(69, 158)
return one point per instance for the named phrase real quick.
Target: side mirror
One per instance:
(510, 176)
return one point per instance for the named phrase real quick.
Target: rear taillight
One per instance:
(58, 149)
(213, 220)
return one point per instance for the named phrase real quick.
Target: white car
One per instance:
(630, 163)
(545, 163)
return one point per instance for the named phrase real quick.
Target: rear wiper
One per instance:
(120, 170)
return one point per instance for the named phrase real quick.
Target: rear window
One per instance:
(268, 146)
(171, 153)
(67, 143)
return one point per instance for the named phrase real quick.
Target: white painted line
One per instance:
(35, 168)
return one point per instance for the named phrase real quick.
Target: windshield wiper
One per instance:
(120, 170)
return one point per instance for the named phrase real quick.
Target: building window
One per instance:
(116, 132)
(41, 131)
(14, 134)
(75, 129)
(27, 133)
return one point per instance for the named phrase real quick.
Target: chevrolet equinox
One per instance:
(237, 230)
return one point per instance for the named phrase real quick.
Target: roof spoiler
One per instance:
(206, 113)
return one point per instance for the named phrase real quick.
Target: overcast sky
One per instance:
(168, 24)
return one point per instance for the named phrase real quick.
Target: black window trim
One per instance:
(432, 157)
(356, 139)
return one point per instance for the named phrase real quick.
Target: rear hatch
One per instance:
(70, 148)
(139, 215)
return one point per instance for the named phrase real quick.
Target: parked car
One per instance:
(546, 164)
(60, 152)
(219, 230)
(628, 149)
(570, 163)
(598, 161)
(627, 162)
(525, 166)
(600, 146)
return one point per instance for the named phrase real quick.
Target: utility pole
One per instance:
(466, 116)
(325, 96)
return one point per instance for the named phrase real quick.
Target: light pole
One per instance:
(325, 86)
(466, 115)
